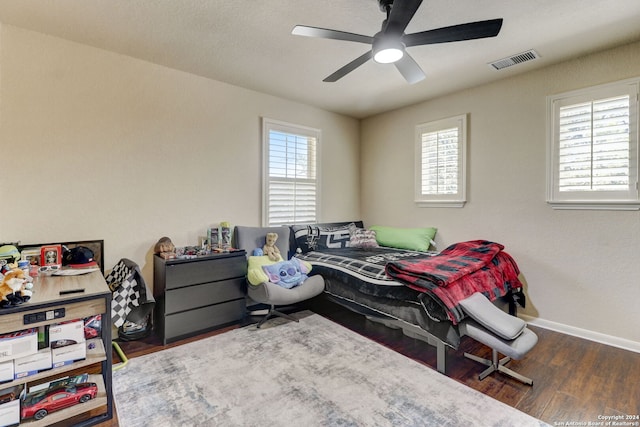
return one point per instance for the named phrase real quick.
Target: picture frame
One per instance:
(50, 255)
(31, 254)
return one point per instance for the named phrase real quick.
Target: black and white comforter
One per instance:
(364, 269)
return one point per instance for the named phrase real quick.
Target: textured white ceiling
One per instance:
(248, 43)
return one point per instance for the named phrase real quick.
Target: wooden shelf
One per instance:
(94, 300)
(55, 417)
(95, 355)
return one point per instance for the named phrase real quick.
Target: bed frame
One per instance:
(409, 329)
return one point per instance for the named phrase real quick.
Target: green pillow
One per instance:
(416, 239)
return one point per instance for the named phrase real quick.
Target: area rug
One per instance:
(308, 373)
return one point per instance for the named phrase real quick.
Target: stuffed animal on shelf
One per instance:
(270, 249)
(9, 256)
(165, 248)
(15, 288)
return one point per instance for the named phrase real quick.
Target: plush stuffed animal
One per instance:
(165, 248)
(287, 274)
(9, 256)
(15, 288)
(270, 249)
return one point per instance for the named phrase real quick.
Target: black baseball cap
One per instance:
(79, 257)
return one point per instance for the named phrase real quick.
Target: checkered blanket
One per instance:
(369, 262)
(131, 300)
(451, 264)
(363, 269)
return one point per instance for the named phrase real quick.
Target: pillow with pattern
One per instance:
(361, 238)
(315, 237)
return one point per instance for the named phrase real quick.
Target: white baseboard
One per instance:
(618, 342)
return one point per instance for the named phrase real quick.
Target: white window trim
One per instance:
(602, 201)
(459, 199)
(270, 124)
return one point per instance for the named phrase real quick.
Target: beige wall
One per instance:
(581, 267)
(97, 145)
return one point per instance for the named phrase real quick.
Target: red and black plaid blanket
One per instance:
(456, 273)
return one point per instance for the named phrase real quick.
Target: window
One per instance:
(593, 148)
(441, 163)
(290, 180)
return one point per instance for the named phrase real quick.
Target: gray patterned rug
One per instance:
(311, 373)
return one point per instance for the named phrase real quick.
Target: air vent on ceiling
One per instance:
(519, 58)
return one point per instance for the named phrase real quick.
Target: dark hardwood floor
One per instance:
(575, 380)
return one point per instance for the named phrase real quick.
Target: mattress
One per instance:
(356, 278)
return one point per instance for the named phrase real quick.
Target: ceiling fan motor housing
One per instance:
(387, 48)
(385, 5)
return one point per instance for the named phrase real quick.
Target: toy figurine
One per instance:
(15, 288)
(270, 249)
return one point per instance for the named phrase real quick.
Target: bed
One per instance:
(373, 281)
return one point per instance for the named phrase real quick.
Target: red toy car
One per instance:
(40, 403)
(92, 326)
(89, 333)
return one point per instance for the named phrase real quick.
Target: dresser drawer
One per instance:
(181, 325)
(201, 295)
(202, 271)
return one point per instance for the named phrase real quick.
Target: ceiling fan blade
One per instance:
(303, 30)
(349, 67)
(402, 12)
(454, 33)
(410, 69)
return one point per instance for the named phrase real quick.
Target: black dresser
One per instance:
(198, 295)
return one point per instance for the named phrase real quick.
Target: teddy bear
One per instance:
(15, 288)
(270, 249)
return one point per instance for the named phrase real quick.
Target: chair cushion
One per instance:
(480, 309)
(516, 349)
(269, 293)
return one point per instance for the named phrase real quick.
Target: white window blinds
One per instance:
(440, 162)
(291, 178)
(594, 148)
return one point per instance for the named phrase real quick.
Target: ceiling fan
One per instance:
(389, 45)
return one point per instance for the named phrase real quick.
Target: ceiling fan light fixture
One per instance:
(387, 51)
(388, 56)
